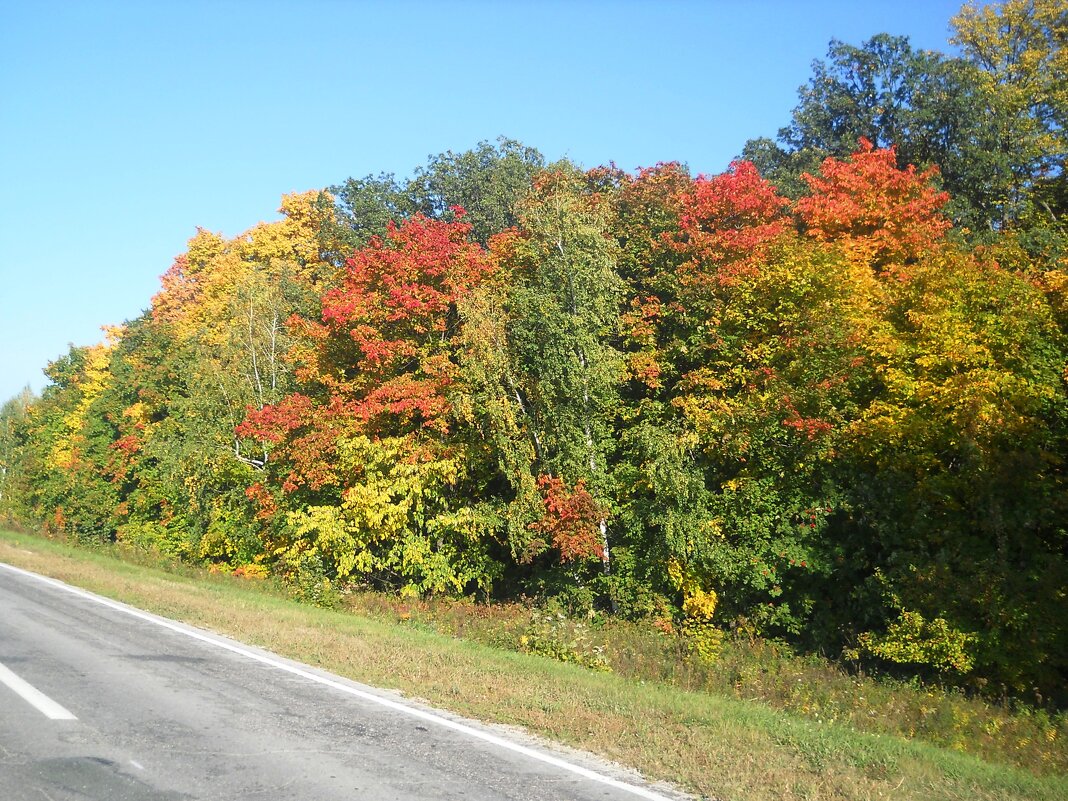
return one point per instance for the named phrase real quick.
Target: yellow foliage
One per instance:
(324, 530)
(913, 640)
(393, 518)
(675, 573)
(215, 546)
(138, 413)
(253, 572)
(204, 247)
(198, 292)
(700, 604)
(703, 639)
(91, 383)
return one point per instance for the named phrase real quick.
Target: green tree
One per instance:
(1019, 45)
(366, 206)
(1018, 49)
(487, 181)
(992, 121)
(557, 367)
(14, 490)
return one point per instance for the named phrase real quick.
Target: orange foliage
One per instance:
(261, 497)
(571, 521)
(881, 214)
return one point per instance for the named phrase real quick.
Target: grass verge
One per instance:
(754, 669)
(717, 747)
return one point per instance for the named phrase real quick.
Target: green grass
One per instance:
(715, 745)
(757, 670)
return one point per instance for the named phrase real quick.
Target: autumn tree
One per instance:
(365, 448)
(992, 121)
(213, 343)
(805, 408)
(953, 473)
(931, 108)
(880, 214)
(69, 441)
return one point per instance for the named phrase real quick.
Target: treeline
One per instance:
(816, 397)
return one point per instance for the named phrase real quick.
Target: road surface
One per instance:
(104, 702)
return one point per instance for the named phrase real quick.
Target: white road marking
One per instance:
(414, 712)
(33, 696)
(137, 764)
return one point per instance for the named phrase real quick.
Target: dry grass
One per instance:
(719, 747)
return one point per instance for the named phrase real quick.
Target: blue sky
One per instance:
(125, 125)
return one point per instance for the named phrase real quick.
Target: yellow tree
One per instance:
(227, 302)
(1019, 47)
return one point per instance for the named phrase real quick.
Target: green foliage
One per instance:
(563, 308)
(487, 182)
(307, 579)
(15, 457)
(154, 537)
(548, 372)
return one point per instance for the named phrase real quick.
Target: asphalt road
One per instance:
(100, 701)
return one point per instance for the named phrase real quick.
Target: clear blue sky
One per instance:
(124, 125)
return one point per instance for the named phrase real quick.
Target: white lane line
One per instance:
(429, 717)
(33, 696)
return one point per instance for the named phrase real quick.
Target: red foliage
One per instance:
(811, 427)
(305, 436)
(397, 305)
(275, 422)
(726, 223)
(312, 458)
(58, 522)
(881, 213)
(639, 321)
(128, 445)
(571, 521)
(397, 293)
(121, 461)
(408, 400)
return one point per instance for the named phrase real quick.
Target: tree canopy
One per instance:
(821, 396)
